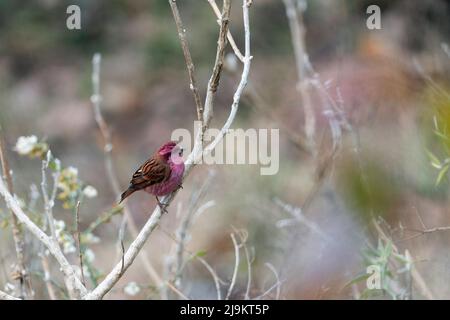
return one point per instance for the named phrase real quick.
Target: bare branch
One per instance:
(17, 234)
(72, 281)
(295, 18)
(187, 57)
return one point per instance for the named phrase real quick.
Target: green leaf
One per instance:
(367, 293)
(387, 250)
(357, 279)
(435, 162)
(54, 164)
(200, 254)
(441, 175)
(441, 135)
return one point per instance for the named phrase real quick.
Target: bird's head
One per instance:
(170, 150)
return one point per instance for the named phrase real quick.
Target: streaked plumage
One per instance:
(159, 175)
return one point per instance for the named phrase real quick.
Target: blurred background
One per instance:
(370, 192)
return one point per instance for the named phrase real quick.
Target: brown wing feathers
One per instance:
(154, 170)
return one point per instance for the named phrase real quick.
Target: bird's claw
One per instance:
(162, 206)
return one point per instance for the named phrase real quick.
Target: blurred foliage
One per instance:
(164, 50)
(390, 266)
(38, 53)
(438, 130)
(371, 190)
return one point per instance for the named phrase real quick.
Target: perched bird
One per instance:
(159, 175)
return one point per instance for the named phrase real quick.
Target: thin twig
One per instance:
(17, 234)
(230, 38)
(48, 203)
(80, 254)
(276, 285)
(103, 218)
(216, 278)
(243, 237)
(249, 271)
(213, 82)
(123, 256)
(187, 57)
(47, 280)
(299, 217)
(423, 232)
(214, 275)
(186, 222)
(241, 86)
(295, 18)
(236, 266)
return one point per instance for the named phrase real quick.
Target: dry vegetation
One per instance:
(364, 153)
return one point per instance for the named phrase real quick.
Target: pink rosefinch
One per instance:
(159, 175)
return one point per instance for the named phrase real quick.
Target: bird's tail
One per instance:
(126, 194)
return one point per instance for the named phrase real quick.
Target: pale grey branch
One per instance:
(72, 281)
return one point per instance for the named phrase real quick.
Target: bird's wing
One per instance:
(154, 170)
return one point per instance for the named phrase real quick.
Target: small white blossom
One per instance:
(132, 289)
(68, 243)
(90, 192)
(86, 272)
(91, 238)
(72, 171)
(69, 247)
(60, 225)
(25, 145)
(89, 255)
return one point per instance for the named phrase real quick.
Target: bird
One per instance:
(160, 175)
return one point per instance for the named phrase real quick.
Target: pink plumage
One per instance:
(171, 184)
(159, 175)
